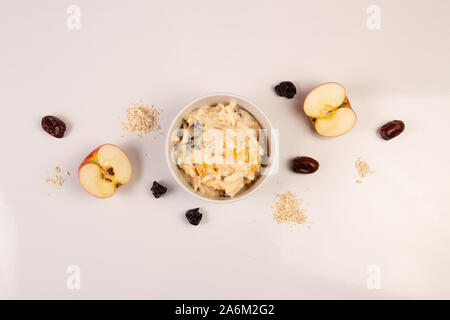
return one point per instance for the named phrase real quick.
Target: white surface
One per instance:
(170, 52)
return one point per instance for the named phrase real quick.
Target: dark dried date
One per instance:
(53, 126)
(304, 165)
(392, 129)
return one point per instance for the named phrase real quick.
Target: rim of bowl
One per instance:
(168, 145)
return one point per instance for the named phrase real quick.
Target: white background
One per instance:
(168, 53)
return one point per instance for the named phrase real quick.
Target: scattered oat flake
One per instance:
(358, 181)
(57, 180)
(288, 209)
(141, 119)
(363, 168)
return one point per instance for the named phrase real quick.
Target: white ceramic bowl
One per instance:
(210, 100)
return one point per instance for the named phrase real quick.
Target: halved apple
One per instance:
(329, 110)
(104, 170)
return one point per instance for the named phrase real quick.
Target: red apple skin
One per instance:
(88, 159)
(346, 100)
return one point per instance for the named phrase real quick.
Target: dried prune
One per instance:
(158, 190)
(197, 128)
(194, 216)
(392, 129)
(304, 165)
(53, 126)
(286, 89)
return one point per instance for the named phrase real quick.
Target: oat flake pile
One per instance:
(141, 119)
(288, 209)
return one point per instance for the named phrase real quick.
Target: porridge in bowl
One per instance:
(218, 149)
